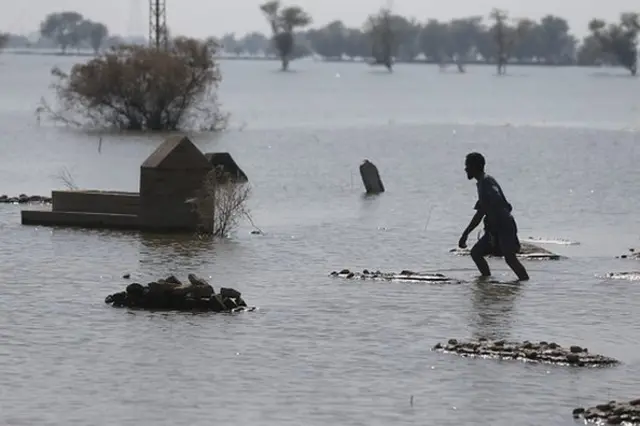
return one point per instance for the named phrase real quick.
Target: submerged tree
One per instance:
(463, 34)
(435, 41)
(283, 22)
(620, 40)
(591, 53)
(504, 36)
(380, 30)
(529, 40)
(70, 29)
(556, 43)
(4, 39)
(96, 33)
(329, 41)
(62, 28)
(407, 31)
(142, 88)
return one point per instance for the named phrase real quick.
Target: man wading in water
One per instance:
(500, 229)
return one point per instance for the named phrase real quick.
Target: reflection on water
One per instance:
(492, 309)
(178, 244)
(160, 254)
(369, 203)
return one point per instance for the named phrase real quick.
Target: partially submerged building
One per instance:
(169, 178)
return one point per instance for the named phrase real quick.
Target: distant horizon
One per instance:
(201, 19)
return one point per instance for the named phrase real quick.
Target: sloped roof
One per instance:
(225, 161)
(176, 152)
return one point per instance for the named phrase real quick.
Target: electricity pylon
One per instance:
(158, 36)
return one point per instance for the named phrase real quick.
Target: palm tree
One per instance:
(283, 22)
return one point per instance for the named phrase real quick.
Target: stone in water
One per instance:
(542, 352)
(371, 178)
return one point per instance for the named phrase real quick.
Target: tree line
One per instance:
(387, 37)
(71, 29)
(65, 30)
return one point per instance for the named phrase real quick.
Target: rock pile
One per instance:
(390, 276)
(541, 352)
(170, 294)
(527, 251)
(560, 241)
(629, 276)
(613, 413)
(633, 254)
(24, 198)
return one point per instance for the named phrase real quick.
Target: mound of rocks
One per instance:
(613, 413)
(171, 294)
(541, 352)
(633, 254)
(390, 276)
(527, 251)
(24, 198)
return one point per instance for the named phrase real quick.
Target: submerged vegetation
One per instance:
(381, 32)
(620, 41)
(283, 22)
(4, 39)
(386, 37)
(142, 88)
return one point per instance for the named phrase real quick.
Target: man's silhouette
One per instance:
(500, 229)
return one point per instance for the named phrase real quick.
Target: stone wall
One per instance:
(79, 219)
(96, 202)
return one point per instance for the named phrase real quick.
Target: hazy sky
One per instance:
(202, 18)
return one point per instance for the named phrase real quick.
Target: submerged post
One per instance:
(371, 178)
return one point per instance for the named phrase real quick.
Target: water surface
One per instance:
(562, 142)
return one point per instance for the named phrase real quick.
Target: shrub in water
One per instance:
(142, 88)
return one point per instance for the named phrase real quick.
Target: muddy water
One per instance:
(322, 350)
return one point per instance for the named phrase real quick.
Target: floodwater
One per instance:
(563, 142)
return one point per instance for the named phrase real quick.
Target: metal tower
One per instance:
(158, 37)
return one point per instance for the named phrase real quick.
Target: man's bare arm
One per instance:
(475, 221)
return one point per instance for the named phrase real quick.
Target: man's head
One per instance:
(474, 165)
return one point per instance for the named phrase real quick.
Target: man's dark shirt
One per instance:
(492, 202)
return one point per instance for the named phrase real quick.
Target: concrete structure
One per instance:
(169, 177)
(88, 209)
